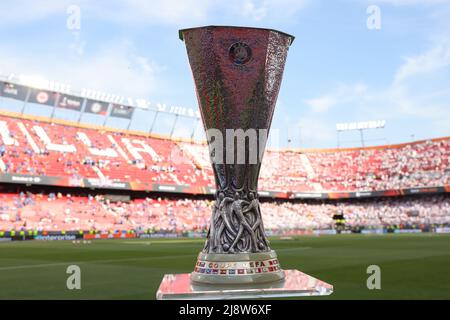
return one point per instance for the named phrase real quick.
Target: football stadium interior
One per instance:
(71, 180)
(110, 181)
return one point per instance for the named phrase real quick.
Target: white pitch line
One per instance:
(86, 262)
(294, 249)
(129, 242)
(117, 260)
(163, 241)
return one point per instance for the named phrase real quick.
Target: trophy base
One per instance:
(294, 284)
(238, 268)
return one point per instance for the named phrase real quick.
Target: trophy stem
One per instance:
(236, 225)
(236, 250)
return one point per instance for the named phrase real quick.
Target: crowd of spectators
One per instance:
(46, 149)
(423, 164)
(68, 212)
(367, 213)
(108, 156)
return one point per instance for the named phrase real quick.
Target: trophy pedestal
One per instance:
(294, 284)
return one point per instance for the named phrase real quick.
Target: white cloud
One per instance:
(249, 9)
(114, 68)
(401, 101)
(436, 58)
(197, 11)
(412, 2)
(419, 92)
(168, 12)
(321, 104)
(149, 12)
(258, 10)
(341, 94)
(24, 11)
(316, 131)
(420, 87)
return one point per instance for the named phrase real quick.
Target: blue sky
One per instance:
(338, 70)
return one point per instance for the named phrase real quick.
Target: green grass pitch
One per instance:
(412, 266)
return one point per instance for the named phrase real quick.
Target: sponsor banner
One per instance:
(141, 186)
(21, 178)
(40, 180)
(388, 193)
(73, 182)
(327, 231)
(288, 233)
(172, 188)
(119, 235)
(56, 237)
(144, 186)
(117, 197)
(121, 111)
(339, 195)
(424, 190)
(297, 232)
(279, 194)
(42, 97)
(194, 234)
(310, 195)
(264, 193)
(158, 235)
(372, 231)
(407, 231)
(5, 239)
(210, 190)
(272, 194)
(443, 230)
(97, 107)
(363, 194)
(70, 102)
(14, 91)
(168, 188)
(99, 183)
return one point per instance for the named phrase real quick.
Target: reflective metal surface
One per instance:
(237, 73)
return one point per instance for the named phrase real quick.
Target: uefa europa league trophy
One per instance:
(237, 73)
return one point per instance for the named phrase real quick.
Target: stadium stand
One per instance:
(40, 148)
(32, 150)
(53, 212)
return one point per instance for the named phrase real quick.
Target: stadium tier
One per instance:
(43, 153)
(56, 212)
(63, 154)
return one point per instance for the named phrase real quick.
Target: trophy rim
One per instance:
(180, 32)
